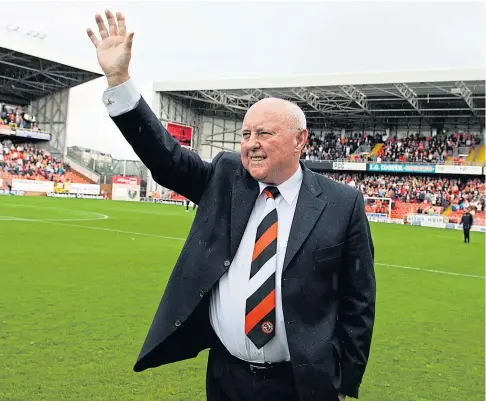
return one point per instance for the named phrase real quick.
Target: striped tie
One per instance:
(260, 305)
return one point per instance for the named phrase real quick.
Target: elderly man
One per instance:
(276, 277)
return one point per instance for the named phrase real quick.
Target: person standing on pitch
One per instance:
(276, 276)
(188, 203)
(467, 222)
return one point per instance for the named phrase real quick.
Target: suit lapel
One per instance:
(245, 193)
(307, 211)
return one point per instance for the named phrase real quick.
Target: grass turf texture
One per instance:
(78, 295)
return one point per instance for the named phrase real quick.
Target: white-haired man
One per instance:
(276, 277)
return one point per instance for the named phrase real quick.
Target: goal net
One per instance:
(378, 209)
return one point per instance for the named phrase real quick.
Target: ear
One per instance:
(301, 140)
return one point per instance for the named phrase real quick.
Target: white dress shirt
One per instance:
(228, 298)
(121, 99)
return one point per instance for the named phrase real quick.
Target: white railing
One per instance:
(82, 169)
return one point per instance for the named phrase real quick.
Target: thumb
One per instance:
(129, 41)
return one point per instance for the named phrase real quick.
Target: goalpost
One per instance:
(378, 209)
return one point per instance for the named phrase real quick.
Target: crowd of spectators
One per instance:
(461, 193)
(417, 148)
(330, 146)
(28, 162)
(16, 117)
(412, 148)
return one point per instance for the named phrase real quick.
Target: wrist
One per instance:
(116, 79)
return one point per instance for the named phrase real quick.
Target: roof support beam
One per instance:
(222, 99)
(466, 94)
(312, 100)
(409, 95)
(357, 96)
(254, 95)
(37, 70)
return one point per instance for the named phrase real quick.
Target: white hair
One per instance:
(294, 111)
(297, 113)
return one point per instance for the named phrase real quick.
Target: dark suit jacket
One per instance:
(328, 283)
(467, 221)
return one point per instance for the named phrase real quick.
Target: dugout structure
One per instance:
(38, 78)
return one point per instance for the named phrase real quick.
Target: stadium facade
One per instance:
(392, 103)
(206, 116)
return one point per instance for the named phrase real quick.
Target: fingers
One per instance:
(122, 28)
(93, 37)
(114, 29)
(101, 27)
(111, 23)
(129, 41)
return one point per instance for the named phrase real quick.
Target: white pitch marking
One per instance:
(8, 218)
(430, 271)
(183, 239)
(101, 216)
(105, 229)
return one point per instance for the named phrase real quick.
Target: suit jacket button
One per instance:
(227, 263)
(177, 323)
(201, 293)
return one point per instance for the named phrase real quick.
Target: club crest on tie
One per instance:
(267, 327)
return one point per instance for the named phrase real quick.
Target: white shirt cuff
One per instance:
(121, 99)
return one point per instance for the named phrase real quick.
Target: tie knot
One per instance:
(271, 192)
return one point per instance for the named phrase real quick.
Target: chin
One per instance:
(257, 174)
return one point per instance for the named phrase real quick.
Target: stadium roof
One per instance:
(434, 97)
(30, 69)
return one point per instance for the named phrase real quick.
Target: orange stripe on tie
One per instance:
(259, 312)
(268, 193)
(265, 240)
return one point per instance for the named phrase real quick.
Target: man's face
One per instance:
(271, 142)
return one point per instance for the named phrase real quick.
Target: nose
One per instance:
(253, 142)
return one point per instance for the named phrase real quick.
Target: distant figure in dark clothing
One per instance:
(467, 221)
(188, 202)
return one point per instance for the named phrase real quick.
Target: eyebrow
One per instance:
(261, 129)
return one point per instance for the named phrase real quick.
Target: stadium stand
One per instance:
(421, 194)
(414, 148)
(331, 146)
(25, 161)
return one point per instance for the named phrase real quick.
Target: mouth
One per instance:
(257, 158)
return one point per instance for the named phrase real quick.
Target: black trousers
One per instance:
(466, 235)
(230, 379)
(187, 205)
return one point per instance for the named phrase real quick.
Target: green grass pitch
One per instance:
(80, 281)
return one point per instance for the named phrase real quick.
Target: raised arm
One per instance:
(171, 165)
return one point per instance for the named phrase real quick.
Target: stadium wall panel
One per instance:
(51, 113)
(218, 134)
